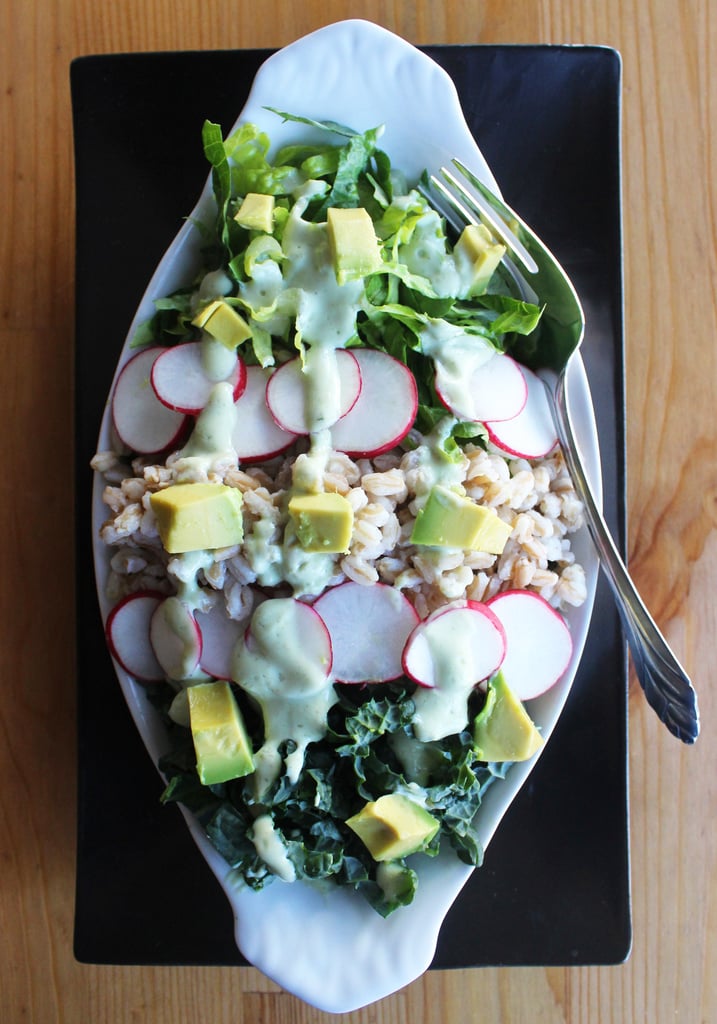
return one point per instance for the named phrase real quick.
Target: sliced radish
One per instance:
(176, 638)
(286, 391)
(448, 654)
(257, 435)
(180, 380)
(220, 635)
(142, 422)
(531, 434)
(369, 627)
(300, 628)
(496, 390)
(539, 645)
(463, 639)
(384, 411)
(127, 631)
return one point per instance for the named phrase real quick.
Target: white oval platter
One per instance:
(329, 947)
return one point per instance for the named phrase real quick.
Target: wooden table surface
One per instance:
(669, 50)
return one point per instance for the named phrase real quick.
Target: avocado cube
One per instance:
(220, 738)
(223, 323)
(256, 212)
(476, 244)
(503, 730)
(354, 246)
(195, 517)
(452, 520)
(393, 826)
(323, 522)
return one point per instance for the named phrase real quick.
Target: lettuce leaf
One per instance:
(349, 164)
(171, 322)
(503, 314)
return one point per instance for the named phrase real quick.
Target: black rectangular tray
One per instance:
(554, 888)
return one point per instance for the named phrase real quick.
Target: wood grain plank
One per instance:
(669, 52)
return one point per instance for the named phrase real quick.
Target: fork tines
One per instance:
(469, 207)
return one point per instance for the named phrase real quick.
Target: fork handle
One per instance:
(666, 685)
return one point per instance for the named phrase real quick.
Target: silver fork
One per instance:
(666, 685)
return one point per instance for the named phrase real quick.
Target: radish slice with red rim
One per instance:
(531, 434)
(385, 409)
(180, 380)
(539, 644)
(286, 391)
(142, 422)
(257, 435)
(464, 637)
(448, 654)
(176, 638)
(369, 626)
(220, 635)
(497, 390)
(127, 630)
(299, 619)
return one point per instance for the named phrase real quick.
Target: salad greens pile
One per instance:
(357, 760)
(401, 301)
(355, 763)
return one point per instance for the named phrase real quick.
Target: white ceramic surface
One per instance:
(329, 947)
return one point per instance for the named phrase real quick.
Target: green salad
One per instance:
(335, 528)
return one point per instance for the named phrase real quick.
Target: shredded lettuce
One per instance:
(357, 169)
(170, 324)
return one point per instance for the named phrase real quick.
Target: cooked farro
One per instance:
(535, 497)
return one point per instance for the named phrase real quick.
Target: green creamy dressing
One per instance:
(307, 572)
(218, 361)
(424, 253)
(174, 613)
(435, 466)
(285, 561)
(185, 569)
(391, 880)
(271, 849)
(456, 356)
(293, 689)
(263, 292)
(325, 311)
(210, 444)
(305, 289)
(442, 710)
(263, 554)
(214, 285)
